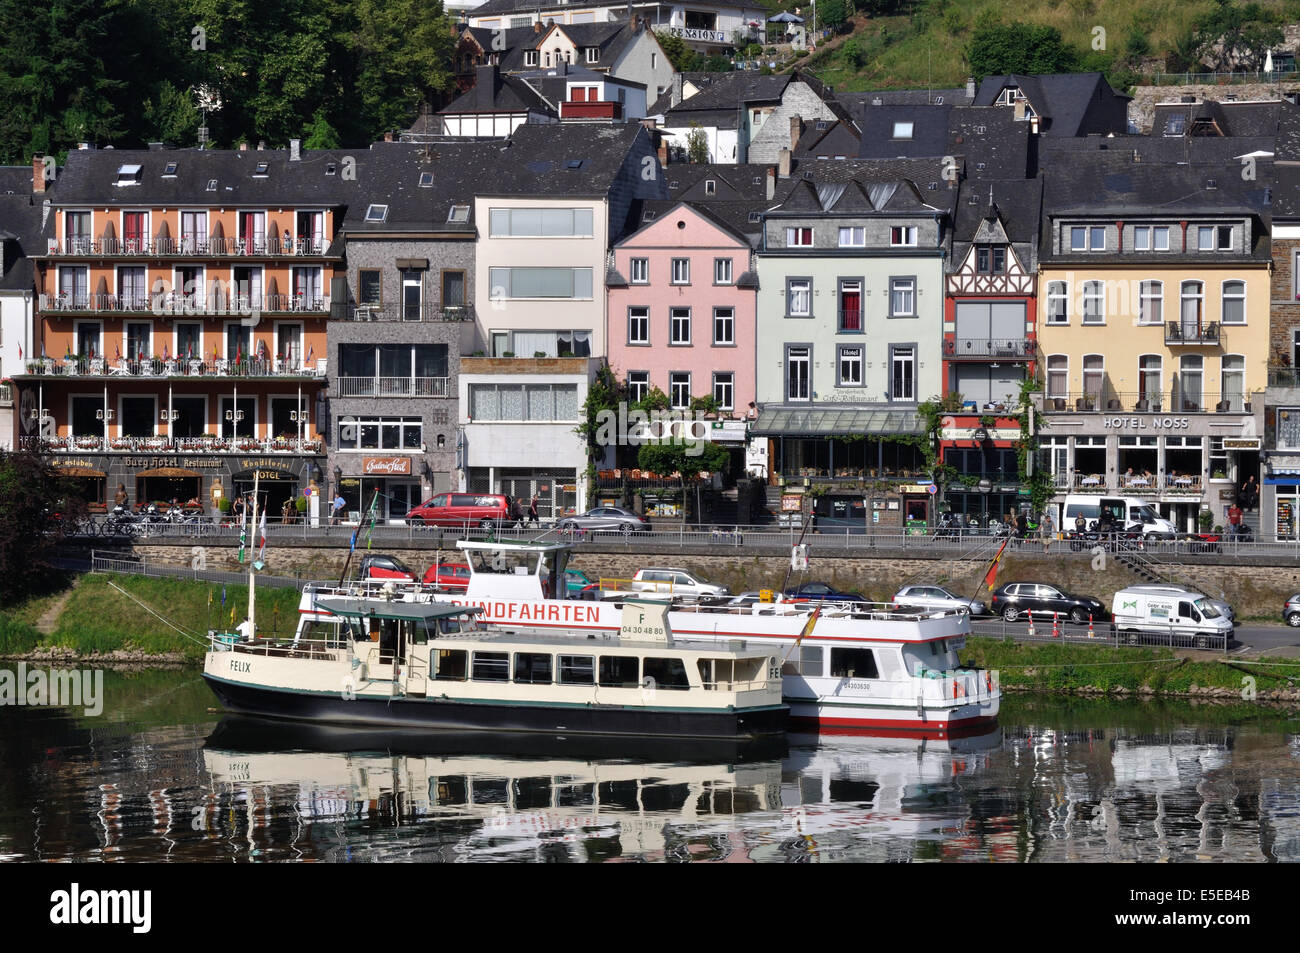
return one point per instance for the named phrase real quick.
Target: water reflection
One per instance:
(1061, 781)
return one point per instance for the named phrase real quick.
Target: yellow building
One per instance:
(1153, 327)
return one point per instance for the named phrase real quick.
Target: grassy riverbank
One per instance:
(97, 619)
(1090, 669)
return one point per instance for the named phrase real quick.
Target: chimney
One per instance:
(388, 136)
(38, 172)
(783, 164)
(295, 150)
(261, 145)
(487, 82)
(771, 183)
(970, 87)
(243, 147)
(677, 89)
(537, 27)
(1018, 110)
(796, 128)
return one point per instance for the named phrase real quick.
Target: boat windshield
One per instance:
(511, 562)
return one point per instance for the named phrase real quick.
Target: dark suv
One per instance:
(1016, 599)
(823, 592)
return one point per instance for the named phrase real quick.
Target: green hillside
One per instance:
(926, 45)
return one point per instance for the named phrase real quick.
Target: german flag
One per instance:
(991, 577)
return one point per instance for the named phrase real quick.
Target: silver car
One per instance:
(607, 519)
(937, 597)
(1291, 611)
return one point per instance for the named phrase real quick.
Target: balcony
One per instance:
(171, 304)
(1138, 484)
(1283, 375)
(95, 443)
(987, 349)
(82, 367)
(599, 112)
(1148, 402)
(393, 386)
(395, 312)
(1188, 333)
(195, 247)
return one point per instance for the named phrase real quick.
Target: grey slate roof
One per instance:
(736, 194)
(1017, 205)
(20, 225)
(611, 38)
(494, 92)
(1209, 117)
(1069, 104)
(565, 159)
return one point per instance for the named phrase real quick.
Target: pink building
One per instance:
(681, 306)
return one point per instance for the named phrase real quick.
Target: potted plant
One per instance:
(300, 504)
(539, 354)
(507, 353)
(1206, 520)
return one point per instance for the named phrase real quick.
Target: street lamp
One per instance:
(985, 487)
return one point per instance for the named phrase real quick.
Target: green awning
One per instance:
(828, 421)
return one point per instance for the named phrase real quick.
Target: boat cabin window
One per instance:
(577, 670)
(853, 663)
(618, 671)
(491, 667)
(448, 792)
(511, 562)
(453, 625)
(450, 665)
(331, 633)
(808, 662)
(669, 673)
(724, 672)
(533, 668)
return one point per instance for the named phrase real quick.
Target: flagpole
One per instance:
(251, 588)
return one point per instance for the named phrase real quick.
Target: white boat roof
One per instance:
(512, 545)
(392, 609)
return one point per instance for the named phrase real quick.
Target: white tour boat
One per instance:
(378, 659)
(856, 668)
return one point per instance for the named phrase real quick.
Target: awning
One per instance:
(833, 421)
(1285, 468)
(168, 472)
(79, 471)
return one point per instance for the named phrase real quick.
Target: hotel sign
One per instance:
(706, 36)
(389, 466)
(1145, 423)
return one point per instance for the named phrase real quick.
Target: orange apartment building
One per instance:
(180, 323)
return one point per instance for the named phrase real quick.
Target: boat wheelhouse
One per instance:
(862, 667)
(390, 661)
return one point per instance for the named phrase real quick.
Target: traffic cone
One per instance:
(1091, 634)
(1031, 625)
(1056, 628)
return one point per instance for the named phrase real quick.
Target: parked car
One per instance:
(379, 566)
(1170, 616)
(1291, 611)
(1220, 606)
(1016, 599)
(459, 510)
(936, 597)
(675, 582)
(576, 581)
(820, 590)
(1122, 511)
(607, 519)
(453, 576)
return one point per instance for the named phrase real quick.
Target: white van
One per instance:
(1185, 618)
(1124, 513)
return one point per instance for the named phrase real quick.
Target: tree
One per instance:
(1019, 48)
(683, 58)
(669, 457)
(832, 13)
(320, 134)
(30, 494)
(1236, 36)
(697, 144)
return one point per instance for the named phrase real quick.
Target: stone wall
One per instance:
(1141, 111)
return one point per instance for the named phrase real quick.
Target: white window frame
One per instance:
(676, 315)
(1156, 294)
(1062, 373)
(1224, 298)
(1058, 292)
(902, 236)
(729, 322)
(799, 232)
(793, 294)
(905, 286)
(639, 271)
(633, 339)
(1092, 291)
(856, 236)
(722, 271)
(637, 389)
(673, 385)
(841, 380)
(681, 271)
(727, 380)
(904, 355)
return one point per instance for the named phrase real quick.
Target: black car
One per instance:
(823, 592)
(1016, 599)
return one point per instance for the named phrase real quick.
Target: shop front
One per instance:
(87, 482)
(392, 482)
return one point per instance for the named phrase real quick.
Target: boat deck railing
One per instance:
(321, 649)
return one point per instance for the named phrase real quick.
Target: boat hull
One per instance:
(449, 714)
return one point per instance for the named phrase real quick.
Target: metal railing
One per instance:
(79, 366)
(393, 386)
(174, 303)
(1184, 401)
(197, 246)
(399, 312)
(1176, 332)
(88, 443)
(980, 348)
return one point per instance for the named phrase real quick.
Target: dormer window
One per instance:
(458, 213)
(331, 168)
(1176, 125)
(991, 259)
(902, 236)
(1214, 238)
(426, 180)
(710, 186)
(530, 57)
(129, 175)
(902, 130)
(593, 54)
(1087, 238)
(377, 213)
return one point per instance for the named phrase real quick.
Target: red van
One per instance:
(460, 510)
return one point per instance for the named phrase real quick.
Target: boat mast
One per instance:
(253, 537)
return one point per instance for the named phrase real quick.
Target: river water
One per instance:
(161, 775)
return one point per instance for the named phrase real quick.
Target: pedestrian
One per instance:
(516, 513)
(339, 503)
(245, 629)
(1234, 519)
(1047, 528)
(287, 511)
(1080, 524)
(532, 512)
(237, 509)
(1249, 496)
(119, 498)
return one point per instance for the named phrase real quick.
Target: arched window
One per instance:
(1150, 382)
(1193, 308)
(1058, 303)
(1190, 374)
(1058, 376)
(1233, 374)
(1234, 302)
(1151, 302)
